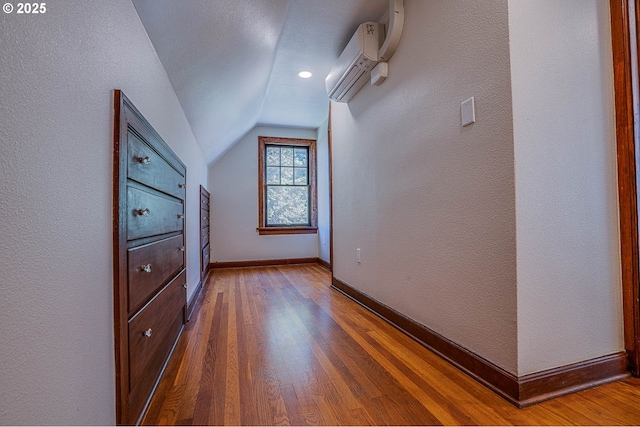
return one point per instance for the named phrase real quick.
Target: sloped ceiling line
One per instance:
(234, 63)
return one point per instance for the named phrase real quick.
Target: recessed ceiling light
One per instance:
(304, 74)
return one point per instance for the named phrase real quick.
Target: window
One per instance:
(287, 186)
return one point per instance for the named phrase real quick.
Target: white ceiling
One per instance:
(234, 63)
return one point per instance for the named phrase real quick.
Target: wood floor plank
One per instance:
(247, 352)
(437, 415)
(329, 364)
(294, 410)
(360, 417)
(326, 327)
(232, 374)
(310, 410)
(277, 346)
(207, 409)
(191, 368)
(388, 413)
(329, 412)
(448, 393)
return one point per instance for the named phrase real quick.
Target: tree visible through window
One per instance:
(287, 181)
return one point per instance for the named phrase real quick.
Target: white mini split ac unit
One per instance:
(366, 48)
(351, 71)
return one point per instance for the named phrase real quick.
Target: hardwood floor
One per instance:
(277, 346)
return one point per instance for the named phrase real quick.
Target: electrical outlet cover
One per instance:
(468, 110)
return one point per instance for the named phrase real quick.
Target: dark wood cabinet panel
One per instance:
(148, 167)
(205, 213)
(152, 333)
(149, 259)
(204, 237)
(205, 259)
(151, 214)
(150, 268)
(204, 218)
(204, 198)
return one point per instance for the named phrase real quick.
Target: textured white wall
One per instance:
(233, 183)
(431, 204)
(569, 294)
(58, 71)
(324, 206)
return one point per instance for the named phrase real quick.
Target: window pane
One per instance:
(287, 176)
(273, 175)
(300, 157)
(287, 156)
(300, 175)
(287, 206)
(273, 156)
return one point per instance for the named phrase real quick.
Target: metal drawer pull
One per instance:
(144, 160)
(181, 248)
(182, 185)
(184, 286)
(148, 332)
(180, 215)
(146, 268)
(204, 218)
(143, 212)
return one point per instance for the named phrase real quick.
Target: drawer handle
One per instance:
(146, 268)
(204, 218)
(143, 212)
(181, 248)
(182, 185)
(148, 332)
(180, 216)
(184, 286)
(144, 160)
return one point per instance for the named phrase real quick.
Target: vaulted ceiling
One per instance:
(234, 63)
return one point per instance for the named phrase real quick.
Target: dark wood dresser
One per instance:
(205, 198)
(149, 257)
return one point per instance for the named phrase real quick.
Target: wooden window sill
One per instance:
(286, 230)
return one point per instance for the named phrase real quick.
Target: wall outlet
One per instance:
(358, 255)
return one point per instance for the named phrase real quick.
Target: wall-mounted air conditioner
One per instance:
(366, 48)
(351, 72)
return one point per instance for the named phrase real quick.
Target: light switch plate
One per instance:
(468, 110)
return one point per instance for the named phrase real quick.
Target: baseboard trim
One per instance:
(545, 385)
(263, 263)
(196, 297)
(520, 391)
(324, 263)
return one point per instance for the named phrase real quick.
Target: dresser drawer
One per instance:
(204, 237)
(151, 214)
(204, 218)
(149, 168)
(152, 333)
(204, 198)
(151, 266)
(205, 258)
